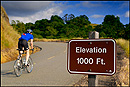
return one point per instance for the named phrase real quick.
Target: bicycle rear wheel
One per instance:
(30, 65)
(18, 68)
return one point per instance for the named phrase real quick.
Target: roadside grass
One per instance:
(55, 40)
(124, 44)
(9, 39)
(9, 36)
(8, 55)
(123, 73)
(3, 11)
(49, 40)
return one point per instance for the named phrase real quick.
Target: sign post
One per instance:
(93, 79)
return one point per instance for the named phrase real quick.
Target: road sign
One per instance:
(92, 56)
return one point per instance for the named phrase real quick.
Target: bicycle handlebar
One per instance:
(32, 50)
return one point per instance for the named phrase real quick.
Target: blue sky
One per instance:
(30, 11)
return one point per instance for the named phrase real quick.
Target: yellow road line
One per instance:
(51, 57)
(54, 56)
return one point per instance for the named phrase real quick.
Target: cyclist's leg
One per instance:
(27, 56)
(20, 46)
(26, 47)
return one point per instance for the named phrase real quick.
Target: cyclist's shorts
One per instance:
(23, 43)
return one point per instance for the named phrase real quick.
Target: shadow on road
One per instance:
(8, 74)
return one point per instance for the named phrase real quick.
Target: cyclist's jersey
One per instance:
(26, 36)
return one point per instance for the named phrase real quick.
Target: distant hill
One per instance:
(94, 25)
(9, 37)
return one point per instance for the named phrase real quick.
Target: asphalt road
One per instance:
(50, 68)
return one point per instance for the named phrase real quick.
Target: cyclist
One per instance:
(23, 43)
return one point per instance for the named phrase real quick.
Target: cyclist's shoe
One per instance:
(18, 63)
(27, 65)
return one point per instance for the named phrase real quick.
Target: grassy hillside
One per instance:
(94, 25)
(9, 38)
(124, 44)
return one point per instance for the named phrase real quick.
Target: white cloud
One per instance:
(90, 4)
(97, 16)
(118, 15)
(127, 14)
(44, 14)
(24, 8)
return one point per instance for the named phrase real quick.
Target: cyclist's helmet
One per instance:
(29, 31)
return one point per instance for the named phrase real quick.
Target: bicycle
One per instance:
(19, 64)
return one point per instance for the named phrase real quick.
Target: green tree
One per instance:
(51, 31)
(41, 24)
(13, 23)
(57, 23)
(37, 33)
(67, 17)
(29, 26)
(56, 18)
(102, 34)
(20, 26)
(127, 31)
(112, 26)
(80, 21)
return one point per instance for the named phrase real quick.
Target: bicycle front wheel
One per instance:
(18, 68)
(30, 65)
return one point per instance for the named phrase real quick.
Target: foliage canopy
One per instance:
(70, 26)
